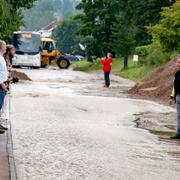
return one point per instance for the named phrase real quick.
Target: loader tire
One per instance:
(63, 63)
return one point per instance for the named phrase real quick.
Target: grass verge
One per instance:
(133, 72)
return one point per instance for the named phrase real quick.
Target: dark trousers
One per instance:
(178, 113)
(2, 95)
(107, 79)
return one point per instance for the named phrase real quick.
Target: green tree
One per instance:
(66, 37)
(146, 13)
(124, 40)
(10, 16)
(21, 3)
(98, 19)
(118, 25)
(167, 32)
(45, 11)
(134, 16)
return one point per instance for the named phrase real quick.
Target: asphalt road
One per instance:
(67, 126)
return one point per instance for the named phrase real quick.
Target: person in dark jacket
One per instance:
(107, 64)
(175, 95)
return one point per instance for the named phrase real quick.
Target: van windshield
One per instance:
(26, 43)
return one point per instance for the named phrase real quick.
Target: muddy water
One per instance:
(67, 126)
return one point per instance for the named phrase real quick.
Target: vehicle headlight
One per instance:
(37, 58)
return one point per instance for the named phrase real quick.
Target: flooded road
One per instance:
(67, 126)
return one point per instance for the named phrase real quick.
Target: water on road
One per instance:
(67, 126)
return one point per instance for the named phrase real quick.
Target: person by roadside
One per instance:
(175, 96)
(107, 64)
(8, 56)
(3, 79)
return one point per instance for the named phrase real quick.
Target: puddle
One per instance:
(162, 125)
(161, 133)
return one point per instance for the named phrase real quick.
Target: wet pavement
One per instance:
(67, 126)
(7, 168)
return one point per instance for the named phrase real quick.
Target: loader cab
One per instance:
(48, 45)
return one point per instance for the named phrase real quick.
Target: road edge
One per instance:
(12, 167)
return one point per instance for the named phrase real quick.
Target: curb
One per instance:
(12, 167)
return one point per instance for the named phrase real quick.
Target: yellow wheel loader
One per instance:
(51, 56)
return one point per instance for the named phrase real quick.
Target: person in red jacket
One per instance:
(107, 64)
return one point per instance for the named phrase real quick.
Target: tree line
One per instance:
(45, 11)
(11, 16)
(120, 26)
(150, 28)
(31, 14)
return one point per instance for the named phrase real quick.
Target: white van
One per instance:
(27, 47)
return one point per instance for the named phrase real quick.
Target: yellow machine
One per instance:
(50, 55)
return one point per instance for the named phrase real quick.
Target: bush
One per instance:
(143, 50)
(87, 66)
(156, 57)
(173, 54)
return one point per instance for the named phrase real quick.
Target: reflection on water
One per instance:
(164, 148)
(162, 134)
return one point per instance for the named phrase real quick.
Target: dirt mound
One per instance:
(158, 85)
(20, 75)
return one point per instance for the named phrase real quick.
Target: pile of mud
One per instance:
(158, 85)
(19, 75)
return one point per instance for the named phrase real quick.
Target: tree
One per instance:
(167, 32)
(134, 16)
(66, 37)
(146, 13)
(10, 16)
(45, 11)
(125, 42)
(21, 3)
(98, 19)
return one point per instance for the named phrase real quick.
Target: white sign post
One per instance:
(135, 59)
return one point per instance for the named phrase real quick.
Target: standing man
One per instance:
(3, 78)
(107, 64)
(175, 95)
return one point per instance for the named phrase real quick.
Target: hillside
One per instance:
(46, 11)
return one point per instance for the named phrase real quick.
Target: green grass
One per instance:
(137, 73)
(133, 72)
(86, 66)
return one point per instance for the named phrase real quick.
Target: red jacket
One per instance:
(107, 63)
